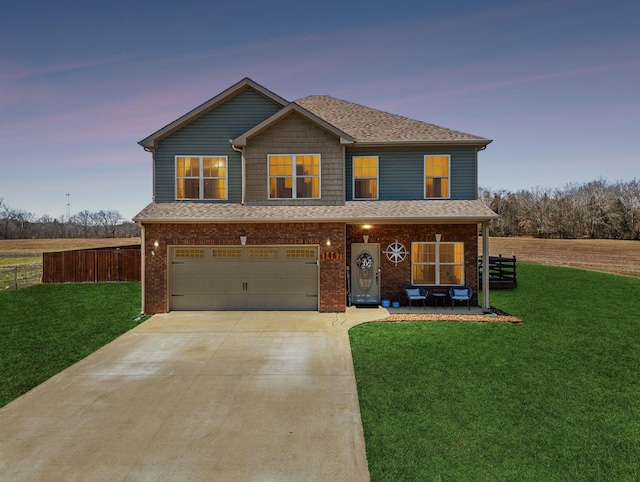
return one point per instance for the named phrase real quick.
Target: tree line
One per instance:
(597, 210)
(20, 224)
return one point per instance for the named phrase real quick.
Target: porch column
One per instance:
(485, 267)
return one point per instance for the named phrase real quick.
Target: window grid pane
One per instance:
(437, 263)
(188, 188)
(282, 176)
(365, 177)
(203, 177)
(436, 169)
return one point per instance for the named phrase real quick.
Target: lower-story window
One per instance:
(437, 263)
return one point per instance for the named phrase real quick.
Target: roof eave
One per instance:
(359, 220)
(458, 142)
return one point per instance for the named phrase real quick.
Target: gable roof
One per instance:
(376, 127)
(246, 83)
(241, 140)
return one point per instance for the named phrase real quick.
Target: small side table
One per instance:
(438, 296)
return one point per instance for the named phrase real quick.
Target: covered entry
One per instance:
(244, 278)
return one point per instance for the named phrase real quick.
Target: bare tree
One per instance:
(597, 209)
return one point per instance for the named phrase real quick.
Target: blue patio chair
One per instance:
(415, 293)
(460, 293)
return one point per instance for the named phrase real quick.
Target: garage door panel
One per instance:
(244, 278)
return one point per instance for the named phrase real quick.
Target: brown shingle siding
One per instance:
(294, 135)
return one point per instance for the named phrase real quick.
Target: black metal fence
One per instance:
(502, 272)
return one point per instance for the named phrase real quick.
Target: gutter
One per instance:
(346, 220)
(153, 172)
(244, 170)
(481, 143)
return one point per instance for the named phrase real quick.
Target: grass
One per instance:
(556, 398)
(46, 328)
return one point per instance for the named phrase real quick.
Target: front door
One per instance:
(365, 273)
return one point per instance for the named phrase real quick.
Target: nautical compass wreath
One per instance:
(396, 252)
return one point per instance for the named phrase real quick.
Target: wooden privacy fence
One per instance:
(502, 272)
(93, 265)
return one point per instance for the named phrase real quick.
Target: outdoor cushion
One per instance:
(413, 292)
(460, 293)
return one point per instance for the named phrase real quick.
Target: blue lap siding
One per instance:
(209, 135)
(401, 172)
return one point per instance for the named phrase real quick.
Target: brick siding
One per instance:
(332, 266)
(333, 257)
(393, 278)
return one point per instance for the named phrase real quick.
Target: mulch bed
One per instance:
(496, 316)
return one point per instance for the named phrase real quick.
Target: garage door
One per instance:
(244, 278)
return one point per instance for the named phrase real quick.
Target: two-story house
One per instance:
(264, 204)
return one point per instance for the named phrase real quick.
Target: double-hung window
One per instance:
(294, 176)
(365, 177)
(437, 263)
(201, 177)
(436, 177)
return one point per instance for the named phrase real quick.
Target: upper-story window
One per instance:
(436, 176)
(365, 177)
(201, 177)
(294, 176)
(437, 263)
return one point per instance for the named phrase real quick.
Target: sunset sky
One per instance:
(555, 84)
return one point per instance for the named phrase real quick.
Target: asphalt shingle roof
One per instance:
(442, 211)
(375, 126)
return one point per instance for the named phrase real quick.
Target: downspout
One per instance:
(153, 172)
(485, 267)
(143, 250)
(244, 171)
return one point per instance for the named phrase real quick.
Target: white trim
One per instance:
(294, 177)
(438, 263)
(143, 268)
(241, 141)
(485, 267)
(353, 178)
(201, 178)
(424, 176)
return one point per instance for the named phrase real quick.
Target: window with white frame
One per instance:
(201, 177)
(365, 177)
(437, 263)
(294, 176)
(436, 177)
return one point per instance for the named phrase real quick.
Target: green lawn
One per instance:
(46, 328)
(554, 399)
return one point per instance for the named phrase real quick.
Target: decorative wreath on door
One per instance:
(365, 271)
(365, 260)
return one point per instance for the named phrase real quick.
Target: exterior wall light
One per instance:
(243, 240)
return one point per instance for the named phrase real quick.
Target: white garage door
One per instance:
(244, 278)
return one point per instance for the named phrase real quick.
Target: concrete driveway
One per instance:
(199, 396)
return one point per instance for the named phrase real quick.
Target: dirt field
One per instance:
(41, 245)
(598, 254)
(622, 257)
